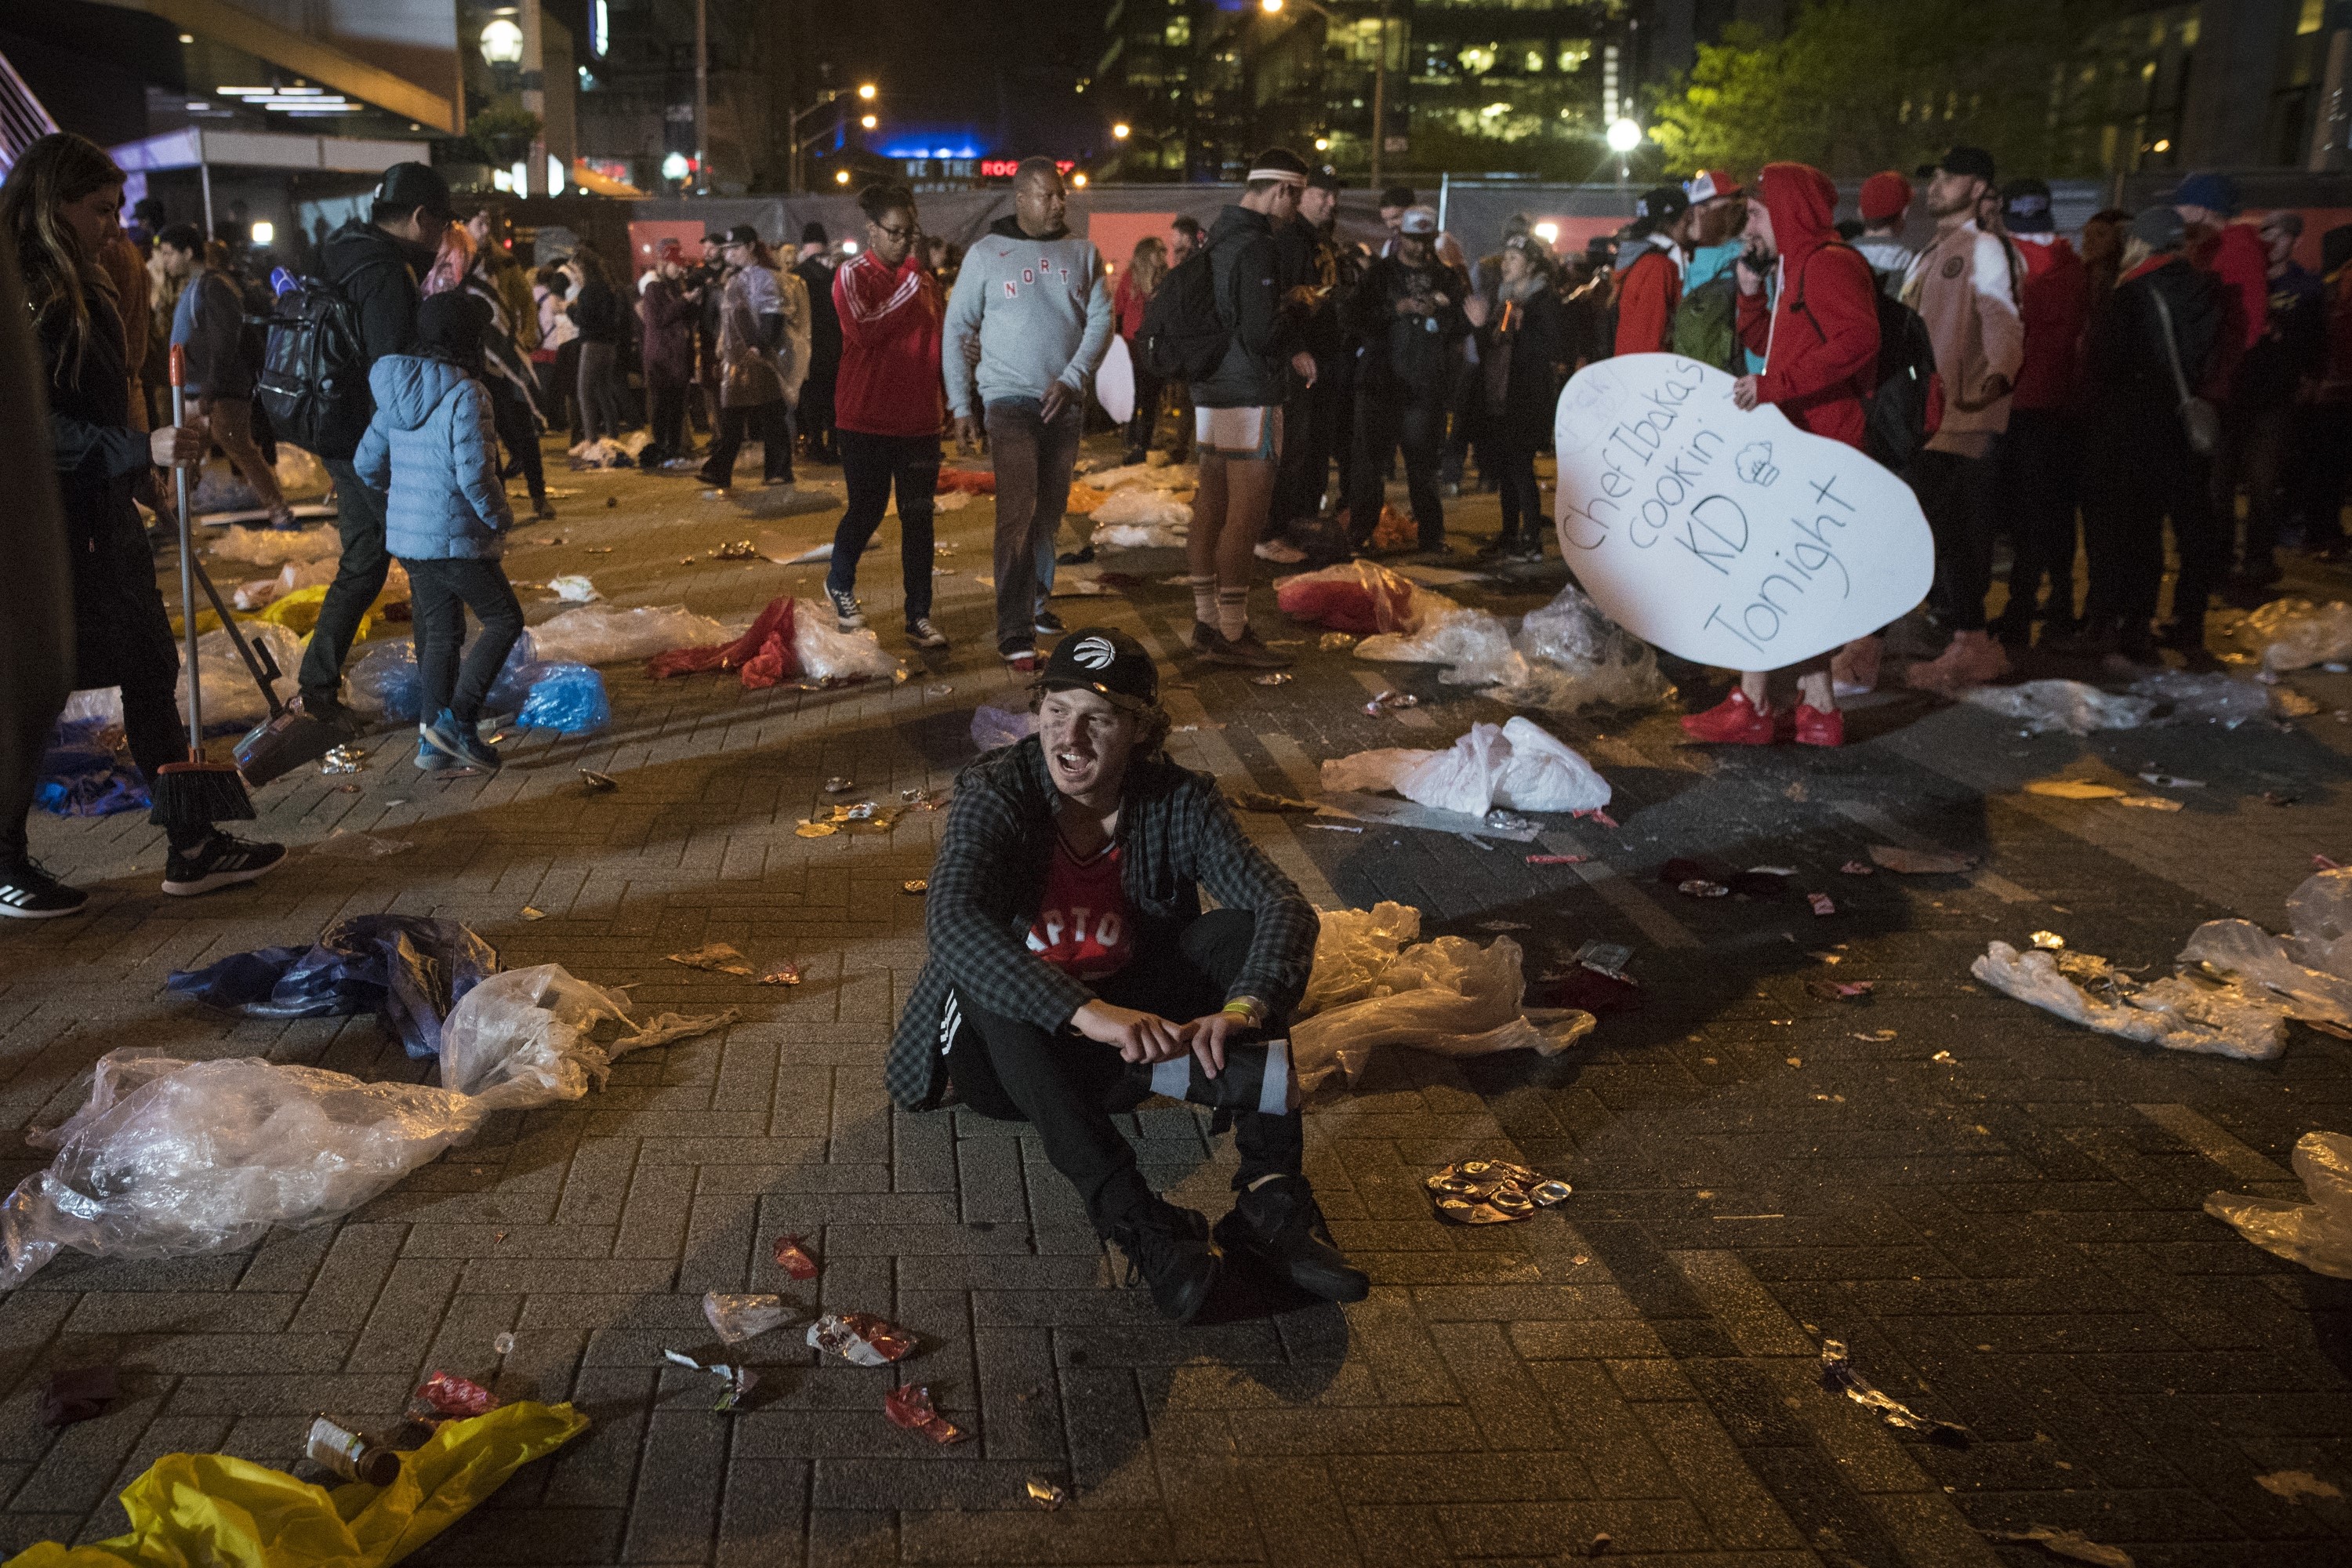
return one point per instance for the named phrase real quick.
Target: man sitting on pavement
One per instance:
(1069, 957)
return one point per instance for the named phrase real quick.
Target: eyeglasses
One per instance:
(897, 233)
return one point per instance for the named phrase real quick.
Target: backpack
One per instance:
(1905, 404)
(314, 369)
(1185, 333)
(1707, 324)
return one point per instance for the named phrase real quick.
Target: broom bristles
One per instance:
(194, 794)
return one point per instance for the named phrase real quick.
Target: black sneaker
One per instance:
(1048, 623)
(1210, 643)
(29, 894)
(1169, 1248)
(922, 634)
(1247, 652)
(1281, 1225)
(1083, 556)
(848, 616)
(220, 861)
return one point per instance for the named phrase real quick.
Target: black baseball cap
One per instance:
(1326, 178)
(742, 234)
(1662, 205)
(409, 186)
(1106, 661)
(1962, 160)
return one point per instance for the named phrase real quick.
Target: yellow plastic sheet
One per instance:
(211, 1508)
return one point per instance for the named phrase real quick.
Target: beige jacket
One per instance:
(1964, 286)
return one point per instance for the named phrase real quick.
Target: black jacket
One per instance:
(377, 273)
(1309, 258)
(1518, 349)
(1246, 272)
(2128, 384)
(596, 312)
(825, 321)
(1415, 354)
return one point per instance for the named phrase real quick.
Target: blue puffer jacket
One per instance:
(432, 449)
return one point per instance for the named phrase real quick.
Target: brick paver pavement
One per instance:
(1999, 1212)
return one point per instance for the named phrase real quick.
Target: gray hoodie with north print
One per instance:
(1041, 308)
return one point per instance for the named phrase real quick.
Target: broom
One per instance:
(196, 792)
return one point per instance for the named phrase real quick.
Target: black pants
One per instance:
(518, 430)
(2039, 462)
(1956, 493)
(869, 466)
(1515, 466)
(771, 422)
(2256, 449)
(813, 418)
(1149, 392)
(1387, 419)
(1311, 423)
(668, 422)
(440, 592)
(564, 405)
(1068, 1087)
(359, 578)
(2321, 462)
(2126, 496)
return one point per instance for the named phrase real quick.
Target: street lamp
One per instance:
(1624, 136)
(840, 176)
(1379, 71)
(868, 121)
(866, 91)
(1120, 132)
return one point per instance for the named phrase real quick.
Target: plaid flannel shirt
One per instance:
(1177, 837)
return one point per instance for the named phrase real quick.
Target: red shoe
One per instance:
(1732, 721)
(1815, 727)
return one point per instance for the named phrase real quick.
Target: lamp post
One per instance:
(866, 91)
(1624, 136)
(1379, 71)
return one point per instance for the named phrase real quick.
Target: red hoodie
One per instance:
(2054, 300)
(888, 384)
(1646, 296)
(2234, 254)
(1820, 339)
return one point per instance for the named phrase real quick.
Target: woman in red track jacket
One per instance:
(889, 406)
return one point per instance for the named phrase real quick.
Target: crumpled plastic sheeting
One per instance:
(171, 1158)
(411, 968)
(1521, 768)
(2295, 633)
(211, 1509)
(831, 656)
(1163, 477)
(2177, 1013)
(606, 634)
(1142, 506)
(1360, 596)
(2214, 696)
(1448, 996)
(275, 546)
(301, 476)
(2317, 1235)
(604, 452)
(233, 698)
(1565, 658)
(2309, 974)
(2078, 709)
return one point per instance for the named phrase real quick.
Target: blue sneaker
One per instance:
(461, 743)
(431, 756)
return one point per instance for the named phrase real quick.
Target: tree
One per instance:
(1859, 85)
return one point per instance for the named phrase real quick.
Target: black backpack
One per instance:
(1906, 399)
(1185, 334)
(314, 370)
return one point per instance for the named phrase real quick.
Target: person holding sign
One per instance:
(1819, 338)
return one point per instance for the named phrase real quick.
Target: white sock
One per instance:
(1232, 611)
(1204, 600)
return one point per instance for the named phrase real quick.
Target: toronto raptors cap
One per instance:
(1104, 661)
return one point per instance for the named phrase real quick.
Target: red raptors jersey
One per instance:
(1082, 927)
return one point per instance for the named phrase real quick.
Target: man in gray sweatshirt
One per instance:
(1033, 297)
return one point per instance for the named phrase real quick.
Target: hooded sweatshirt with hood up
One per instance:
(1819, 335)
(433, 451)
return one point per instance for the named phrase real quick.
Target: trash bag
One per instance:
(212, 1508)
(1574, 658)
(1353, 948)
(992, 727)
(1166, 477)
(2317, 1235)
(385, 681)
(1136, 536)
(833, 657)
(606, 634)
(2177, 1013)
(1142, 506)
(83, 776)
(2295, 633)
(233, 698)
(511, 689)
(297, 612)
(275, 546)
(409, 968)
(171, 1158)
(1474, 643)
(775, 623)
(1357, 596)
(2043, 706)
(566, 697)
(1448, 996)
(2244, 951)
(573, 588)
(1482, 770)
(2214, 696)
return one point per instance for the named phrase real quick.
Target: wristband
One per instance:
(1245, 1008)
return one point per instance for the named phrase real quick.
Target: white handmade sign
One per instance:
(1115, 382)
(1732, 538)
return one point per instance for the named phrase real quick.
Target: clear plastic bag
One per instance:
(2179, 1014)
(2214, 696)
(1480, 772)
(385, 681)
(1544, 773)
(170, 1158)
(1357, 596)
(566, 697)
(606, 634)
(1136, 536)
(2295, 633)
(233, 698)
(1474, 643)
(1448, 996)
(275, 546)
(829, 655)
(573, 588)
(1353, 948)
(1576, 658)
(2317, 1235)
(2043, 706)
(1142, 506)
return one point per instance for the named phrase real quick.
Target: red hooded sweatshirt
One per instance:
(2053, 306)
(1820, 338)
(1647, 293)
(888, 384)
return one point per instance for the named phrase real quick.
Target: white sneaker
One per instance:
(1275, 550)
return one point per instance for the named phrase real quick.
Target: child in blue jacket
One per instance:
(434, 452)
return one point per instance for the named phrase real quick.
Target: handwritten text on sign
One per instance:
(1732, 538)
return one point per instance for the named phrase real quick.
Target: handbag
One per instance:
(2198, 419)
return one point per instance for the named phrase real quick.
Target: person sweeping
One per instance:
(58, 210)
(432, 451)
